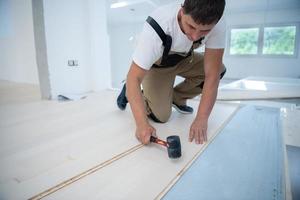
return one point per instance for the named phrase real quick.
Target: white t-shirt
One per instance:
(149, 47)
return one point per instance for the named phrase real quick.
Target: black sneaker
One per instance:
(184, 109)
(122, 99)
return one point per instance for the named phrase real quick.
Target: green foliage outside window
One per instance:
(279, 40)
(244, 41)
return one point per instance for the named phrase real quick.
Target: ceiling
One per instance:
(137, 10)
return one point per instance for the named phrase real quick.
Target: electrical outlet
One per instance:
(70, 62)
(75, 62)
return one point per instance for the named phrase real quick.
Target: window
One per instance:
(280, 40)
(244, 41)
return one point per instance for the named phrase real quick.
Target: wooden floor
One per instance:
(15, 93)
(45, 143)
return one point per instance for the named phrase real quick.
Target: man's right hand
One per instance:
(136, 100)
(144, 132)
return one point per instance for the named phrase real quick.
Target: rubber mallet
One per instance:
(173, 145)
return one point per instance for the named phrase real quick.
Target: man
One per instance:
(166, 49)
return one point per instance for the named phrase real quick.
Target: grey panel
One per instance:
(245, 161)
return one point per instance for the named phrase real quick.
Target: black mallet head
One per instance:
(174, 149)
(173, 145)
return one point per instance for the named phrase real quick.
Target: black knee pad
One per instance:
(155, 119)
(221, 76)
(223, 73)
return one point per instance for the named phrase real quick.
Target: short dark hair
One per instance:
(204, 11)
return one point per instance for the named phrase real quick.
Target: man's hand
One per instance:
(198, 130)
(212, 68)
(134, 95)
(144, 132)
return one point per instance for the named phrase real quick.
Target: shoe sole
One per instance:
(181, 111)
(121, 103)
(122, 100)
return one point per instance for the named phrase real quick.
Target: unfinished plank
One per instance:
(73, 143)
(84, 174)
(252, 88)
(145, 173)
(15, 93)
(45, 143)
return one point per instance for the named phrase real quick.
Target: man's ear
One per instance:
(181, 11)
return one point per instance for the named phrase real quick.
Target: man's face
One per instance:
(191, 29)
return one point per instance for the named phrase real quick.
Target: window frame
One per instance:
(260, 42)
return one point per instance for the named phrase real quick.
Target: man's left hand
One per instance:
(198, 130)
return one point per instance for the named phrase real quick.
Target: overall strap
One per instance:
(166, 39)
(199, 41)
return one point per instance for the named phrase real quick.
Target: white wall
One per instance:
(240, 67)
(17, 57)
(121, 49)
(100, 72)
(67, 39)
(76, 30)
